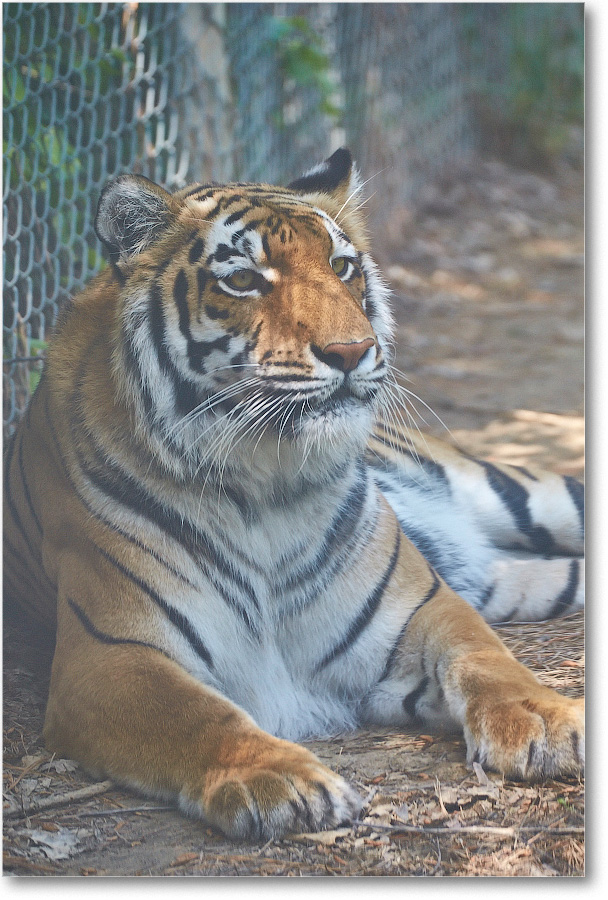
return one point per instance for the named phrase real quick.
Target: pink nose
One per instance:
(346, 357)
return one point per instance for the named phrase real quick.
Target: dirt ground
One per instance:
(488, 277)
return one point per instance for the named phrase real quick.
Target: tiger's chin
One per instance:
(337, 428)
(311, 447)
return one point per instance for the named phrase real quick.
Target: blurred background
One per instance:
(467, 119)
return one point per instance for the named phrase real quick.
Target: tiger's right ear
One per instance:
(131, 214)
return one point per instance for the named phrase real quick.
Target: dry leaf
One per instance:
(31, 762)
(402, 813)
(60, 844)
(482, 778)
(328, 838)
(184, 858)
(60, 766)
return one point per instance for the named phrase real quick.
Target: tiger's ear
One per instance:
(334, 186)
(335, 177)
(132, 213)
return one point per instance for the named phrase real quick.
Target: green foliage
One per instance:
(302, 59)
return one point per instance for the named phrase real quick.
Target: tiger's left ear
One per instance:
(334, 186)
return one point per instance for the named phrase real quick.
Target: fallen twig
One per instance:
(92, 790)
(121, 811)
(505, 831)
(24, 863)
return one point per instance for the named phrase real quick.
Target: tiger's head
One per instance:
(248, 313)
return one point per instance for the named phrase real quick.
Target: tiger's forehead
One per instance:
(256, 221)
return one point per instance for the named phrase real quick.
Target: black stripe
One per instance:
(577, 491)
(390, 660)
(247, 512)
(575, 743)
(180, 294)
(369, 305)
(313, 383)
(515, 498)
(108, 523)
(129, 492)
(367, 613)
(222, 253)
(210, 188)
(156, 317)
(123, 485)
(197, 350)
(34, 552)
(250, 226)
(291, 364)
(186, 395)
(434, 553)
(430, 593)
(234, 217)
(25, 575)
(214, 313)
(225, 202)
(524, 471)
(108, 638)
(432, 468)
(196, 251)
(565, 599)
(132, 365)
(201, 281)
(409, 702)
(486, 596)
(340, 530)
(175, 617)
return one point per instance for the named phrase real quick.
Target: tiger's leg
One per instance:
(521, 588)
(514, 507)
(125, 710)
(450, 668)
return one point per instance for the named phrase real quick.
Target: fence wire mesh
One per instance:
(90, 91)
(213, 91)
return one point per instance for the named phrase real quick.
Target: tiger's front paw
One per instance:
(536, 737)
(271, 799)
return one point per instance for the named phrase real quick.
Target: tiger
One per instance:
(232, 544)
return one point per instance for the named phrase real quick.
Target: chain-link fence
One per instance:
(90, 90)
(211, 91)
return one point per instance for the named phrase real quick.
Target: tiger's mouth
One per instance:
(288, 407)
(341, 398)
(345, 403)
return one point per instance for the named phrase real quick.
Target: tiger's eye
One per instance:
(339, 265)
(241, 280)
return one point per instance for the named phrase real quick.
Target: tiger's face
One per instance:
(249, 308)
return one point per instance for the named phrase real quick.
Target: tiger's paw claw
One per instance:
(265, 803)
(529, 739)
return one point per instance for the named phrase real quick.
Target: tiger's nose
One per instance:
(344, 357)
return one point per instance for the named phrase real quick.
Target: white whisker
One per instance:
(358, 190)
